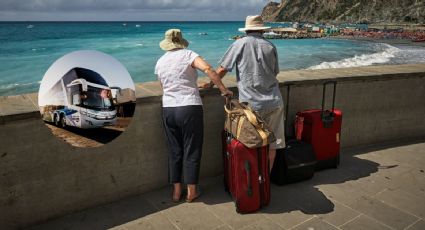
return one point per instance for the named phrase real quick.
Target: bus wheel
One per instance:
(56, 120)
(63, 121)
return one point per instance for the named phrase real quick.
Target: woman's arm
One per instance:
(202, 65)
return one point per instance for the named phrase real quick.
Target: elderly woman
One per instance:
(182, 111)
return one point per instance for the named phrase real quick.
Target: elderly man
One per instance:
(256, 62)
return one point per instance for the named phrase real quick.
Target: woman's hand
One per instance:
(227, 93)
(204, 85)
(202, 65)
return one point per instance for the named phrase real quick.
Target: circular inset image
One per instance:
(87, 98)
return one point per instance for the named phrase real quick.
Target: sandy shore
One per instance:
(396, 42)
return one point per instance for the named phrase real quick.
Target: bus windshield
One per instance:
(98, 99)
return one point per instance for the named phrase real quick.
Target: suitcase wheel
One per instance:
(237, 206)
(226, 188)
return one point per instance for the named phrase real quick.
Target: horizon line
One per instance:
(122, 21)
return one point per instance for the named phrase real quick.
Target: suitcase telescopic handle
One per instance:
(288, 90)
(328, 118)
(248, 178)
(324, 95)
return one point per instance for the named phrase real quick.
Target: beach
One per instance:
(402, 42)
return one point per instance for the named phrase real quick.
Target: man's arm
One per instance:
(221, 72)
(227, 62)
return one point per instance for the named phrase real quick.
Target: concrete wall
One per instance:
(42, 177)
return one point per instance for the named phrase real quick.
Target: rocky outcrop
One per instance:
(388, 11)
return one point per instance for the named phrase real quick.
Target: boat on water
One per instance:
(124, 24)
(203, 33)
(272, 35)
(30, 26)
(137, 25)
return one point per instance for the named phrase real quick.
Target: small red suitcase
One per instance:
(322, 129)
(246, 174)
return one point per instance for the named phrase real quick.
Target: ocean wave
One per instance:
(18, 85)
(385, 54)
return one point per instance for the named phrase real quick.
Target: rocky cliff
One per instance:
(373, 11)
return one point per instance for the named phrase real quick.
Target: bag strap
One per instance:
(250, 116)
(253, 120)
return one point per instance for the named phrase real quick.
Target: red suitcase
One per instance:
(246, 174)
(322, 128)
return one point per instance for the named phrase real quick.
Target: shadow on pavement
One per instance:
(101, 135)
(303, 196)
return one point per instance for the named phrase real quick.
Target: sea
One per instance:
(27, 49)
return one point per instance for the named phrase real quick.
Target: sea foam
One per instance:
(384, 55)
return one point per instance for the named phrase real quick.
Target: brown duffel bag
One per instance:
(246, 125)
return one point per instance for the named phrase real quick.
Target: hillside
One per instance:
(372, 11)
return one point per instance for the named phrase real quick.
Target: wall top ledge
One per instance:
(25, 106)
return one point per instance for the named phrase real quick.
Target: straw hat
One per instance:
(254, 23)
(173, 40)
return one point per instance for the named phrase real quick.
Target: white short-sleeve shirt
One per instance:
(178, 78)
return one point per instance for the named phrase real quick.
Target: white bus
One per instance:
(79, 102)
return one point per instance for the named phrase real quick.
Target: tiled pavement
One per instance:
(376, 187)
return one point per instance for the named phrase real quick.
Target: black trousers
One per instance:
(184, 128)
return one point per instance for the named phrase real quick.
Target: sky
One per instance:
(129, 10)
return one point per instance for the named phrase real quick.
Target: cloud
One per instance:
(131, 5)
(110, 10)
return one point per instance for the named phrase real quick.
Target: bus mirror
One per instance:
(118, 89)
(85, 87)
(76, 100)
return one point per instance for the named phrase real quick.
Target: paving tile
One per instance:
(345, 193)
(404, 200)
(384, 213)
(420, 225)
(305, 197)
(102, 217)
(313, 202)
(340, 215)
(154, 221)
(161, 198)
(314, 224)
(283, 212)
(370, 186)
(381, 189)
(192, 216)
(223, 227)
(263, 225)
(364, 222)
(227, 213)
(412, 181)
